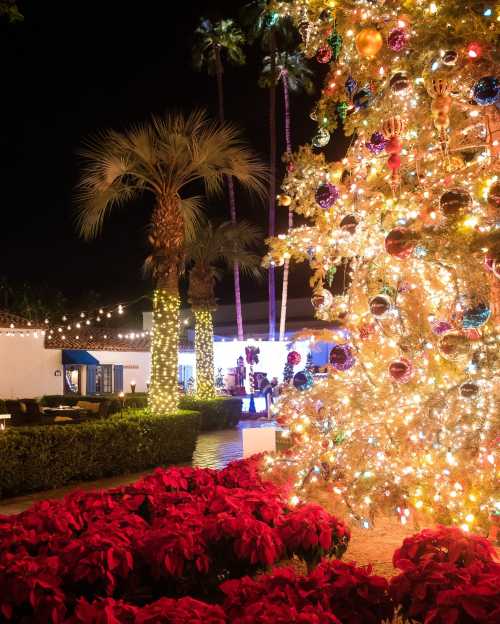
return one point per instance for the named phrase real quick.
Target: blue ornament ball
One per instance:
(487, 91)
(362, 99)
(476, 317)
(350, 86)
(303, 380)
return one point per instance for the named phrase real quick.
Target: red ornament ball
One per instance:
(469, 389)
(293, 358)
(399, 243)
(324, 54)
(397, 39)
(380, 305)
(393, 145)
(401, 370)
(394, 161)
(455, 202)
(474, 50)
(349, 224)
(494, 196)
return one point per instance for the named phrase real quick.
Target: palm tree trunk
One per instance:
(286, 268)
(167, 226)
(204, 352)
(272, 186)
(231, 197)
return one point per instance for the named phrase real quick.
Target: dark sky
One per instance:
(72, 68)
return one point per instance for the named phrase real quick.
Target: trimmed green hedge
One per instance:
(220, 413)
(50, 456)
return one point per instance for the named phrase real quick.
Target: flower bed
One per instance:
(48, 456)
(177, 532)
(188, 545)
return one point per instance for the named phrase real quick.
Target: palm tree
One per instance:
(212, 40)
(163, 157)
(224, 245)
(295, 75)
(274, 32)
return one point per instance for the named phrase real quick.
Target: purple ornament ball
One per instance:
(397, 39)
(440, 327)
(326, 195)
(377, 143)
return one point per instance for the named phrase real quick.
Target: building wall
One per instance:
(27, 369)
(136, 366)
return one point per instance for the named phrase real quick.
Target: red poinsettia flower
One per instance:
(312, 533)
(445, 544)
(250, 539)
(30, 590)
(183, 611)
(354, 594)
(98, 561)
(175, 551)
(103, 611)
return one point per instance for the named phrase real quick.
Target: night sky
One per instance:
(72, 68)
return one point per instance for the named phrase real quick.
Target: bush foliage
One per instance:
(48, 456)
(220, 413)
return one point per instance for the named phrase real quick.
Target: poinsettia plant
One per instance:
(312, 533)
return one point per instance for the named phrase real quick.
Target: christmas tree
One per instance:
(407, 420)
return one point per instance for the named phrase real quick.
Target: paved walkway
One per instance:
(214, 449)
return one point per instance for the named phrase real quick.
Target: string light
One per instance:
(204, 353)
(164, 392)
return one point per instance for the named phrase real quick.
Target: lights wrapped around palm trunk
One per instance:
(204, 351)
(164, 393)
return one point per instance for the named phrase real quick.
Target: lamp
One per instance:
(132, 386)
(121, 396)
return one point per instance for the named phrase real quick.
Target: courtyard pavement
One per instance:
(214, 449)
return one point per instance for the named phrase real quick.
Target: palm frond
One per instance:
(192, 214)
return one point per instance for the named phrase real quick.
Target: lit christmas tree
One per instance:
(408, 418)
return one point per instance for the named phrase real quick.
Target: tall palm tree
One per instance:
(275, 33)
(295, 75)
(213, 41)
(164, 158)
(215, 247)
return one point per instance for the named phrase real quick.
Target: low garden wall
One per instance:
(49, 456)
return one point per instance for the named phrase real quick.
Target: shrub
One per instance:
(311, 532)
(334, 590)
(447, 576)
(49, 456)
(220, 413)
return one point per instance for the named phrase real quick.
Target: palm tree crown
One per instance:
(162, 157)
(294, 66)
(212, 38)
(217, 247)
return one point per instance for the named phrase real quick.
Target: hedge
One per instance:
(49, 456)
(220, 413)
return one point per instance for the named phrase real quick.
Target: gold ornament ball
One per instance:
(284, 200)
(369, 42)
(336, 171)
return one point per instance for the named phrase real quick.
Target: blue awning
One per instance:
(78, 356)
